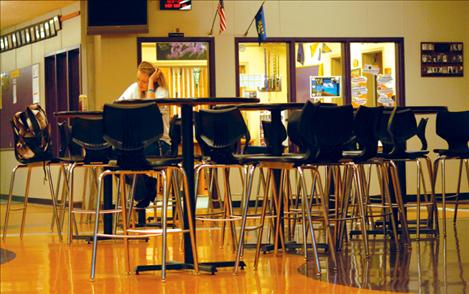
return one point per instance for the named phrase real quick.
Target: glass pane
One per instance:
(263, 74)
(319, 74)
(184, 65)
(373, 74)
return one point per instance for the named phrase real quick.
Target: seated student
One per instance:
(150, 84)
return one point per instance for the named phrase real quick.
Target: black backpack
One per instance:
(31, 132)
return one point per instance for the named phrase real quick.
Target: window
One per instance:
(264, 74)
(373, 74)
(186, 64)
(319, 72)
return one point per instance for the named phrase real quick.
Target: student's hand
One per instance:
(155, 76)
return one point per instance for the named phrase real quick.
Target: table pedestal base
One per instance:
(210, 267)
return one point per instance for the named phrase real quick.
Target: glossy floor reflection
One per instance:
(430, 266)
(43, 264)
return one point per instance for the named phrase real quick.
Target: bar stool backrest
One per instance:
(272, 135)
(67, 147)
(175, 133)
(399, 128)
(218, 131)
(129, 128)
(293, 129)
(325, 130)
(88, 133)
(366, 125)
(453, 127)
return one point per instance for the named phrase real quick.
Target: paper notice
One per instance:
(13, 84)
(359, 101)
(383, 79)
(387, 101)
(371, 69)
(36, 98)
(35, 70)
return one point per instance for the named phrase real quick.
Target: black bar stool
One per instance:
(453, 127)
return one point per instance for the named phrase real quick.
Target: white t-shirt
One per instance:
(133, 92)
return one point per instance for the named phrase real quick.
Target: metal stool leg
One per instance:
(10, 196)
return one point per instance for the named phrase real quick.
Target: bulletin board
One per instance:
(17, 93)
(442, 59)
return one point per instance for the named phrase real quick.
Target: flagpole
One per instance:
(247, 31)
(213, 23)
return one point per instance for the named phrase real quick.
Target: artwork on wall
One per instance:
(182, 51)
(442, 59)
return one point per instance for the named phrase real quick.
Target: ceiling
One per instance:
(15, 12)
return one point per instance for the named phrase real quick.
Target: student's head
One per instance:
(144, 71)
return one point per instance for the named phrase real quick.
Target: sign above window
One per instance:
(175, 4)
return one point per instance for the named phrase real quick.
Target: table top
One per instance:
(241, 103)
(193, 101)
(424, 109)
(79, 113)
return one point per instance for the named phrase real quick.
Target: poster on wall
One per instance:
(440, 59)
(324, 87)
(359, 90)
(35, 81)
(182, 51)
(385, 89)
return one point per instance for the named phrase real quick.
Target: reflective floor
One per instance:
(430, 266)
(43, 264)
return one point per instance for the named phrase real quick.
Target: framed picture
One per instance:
(442, 59)
(182, 51)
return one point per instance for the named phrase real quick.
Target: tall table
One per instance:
(186, 105)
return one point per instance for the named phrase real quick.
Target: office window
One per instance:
(373, 73)
(319, 72)
(264, 74)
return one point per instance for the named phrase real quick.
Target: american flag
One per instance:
(221, 14)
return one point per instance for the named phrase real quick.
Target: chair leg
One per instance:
(418, 198)
(443, 193)
(361, 195)
(325, 212)
(190, 210)
(96, 226)
(125, 225)
(10, 196)
(384, 188)
(262, 222)
(54, 202)
(398, 194)
(25, 203)
(305, 203)
(165, 180)
(458, 190)
(70, 203)
(248, 175)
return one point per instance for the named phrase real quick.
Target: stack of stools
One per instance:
(130, 128)
(453, 127)
(398, 126)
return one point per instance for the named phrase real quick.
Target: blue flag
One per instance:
(260, 25)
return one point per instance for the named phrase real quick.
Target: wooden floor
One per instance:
(43, 264)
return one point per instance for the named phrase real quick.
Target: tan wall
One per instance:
(112, 60)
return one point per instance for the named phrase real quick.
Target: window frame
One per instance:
(346, 41)
(211, 53)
